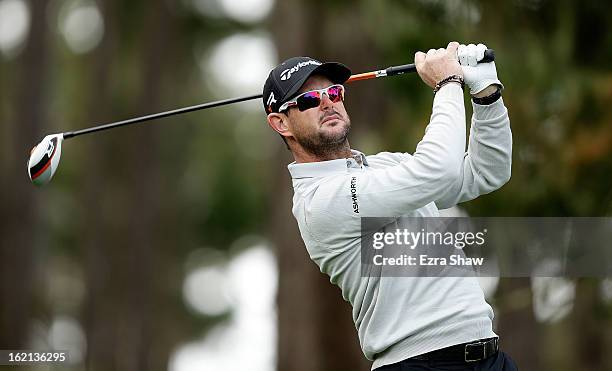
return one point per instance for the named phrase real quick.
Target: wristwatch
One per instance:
(489, 99)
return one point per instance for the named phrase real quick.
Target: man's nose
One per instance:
(325, 102)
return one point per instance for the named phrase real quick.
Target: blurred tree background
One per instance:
(172, 245)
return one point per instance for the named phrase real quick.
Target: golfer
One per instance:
(404, 323)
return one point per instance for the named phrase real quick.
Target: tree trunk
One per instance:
(587, 317)
(21, 246)
(316, 331)
(125, 316)
(517, 327)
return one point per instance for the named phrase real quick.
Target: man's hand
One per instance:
(477, 76)
(437, 65)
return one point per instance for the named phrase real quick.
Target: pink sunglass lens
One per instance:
(335, 93)
(309, 100)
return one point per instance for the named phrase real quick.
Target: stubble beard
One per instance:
(326, 145)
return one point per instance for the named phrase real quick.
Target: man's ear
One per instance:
(279, 122)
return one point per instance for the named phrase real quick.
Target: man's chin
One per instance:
(335, 131)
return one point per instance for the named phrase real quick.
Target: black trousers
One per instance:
(498, 362)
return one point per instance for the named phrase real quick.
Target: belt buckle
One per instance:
(482, 346)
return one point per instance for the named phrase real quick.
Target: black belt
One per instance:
(468, 352)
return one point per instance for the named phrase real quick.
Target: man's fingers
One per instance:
(471, 55)
(462, 55)
(419, 58)
(451, 49)
(480, 48)
(437, 64)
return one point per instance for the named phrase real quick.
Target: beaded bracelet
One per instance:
(452, 78)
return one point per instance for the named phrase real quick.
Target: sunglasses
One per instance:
(312, 99)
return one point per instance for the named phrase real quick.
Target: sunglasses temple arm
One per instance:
(489, 56)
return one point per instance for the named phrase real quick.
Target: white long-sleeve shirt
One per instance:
(401, 317)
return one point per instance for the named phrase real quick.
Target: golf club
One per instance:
(44, 158)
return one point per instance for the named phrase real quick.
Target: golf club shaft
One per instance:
(391, 71)
(112, 125)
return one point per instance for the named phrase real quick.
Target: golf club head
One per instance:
(44, 159)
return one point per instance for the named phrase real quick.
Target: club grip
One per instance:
(489, 56)
(398, 70)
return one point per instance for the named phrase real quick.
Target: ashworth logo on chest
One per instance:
(354, 195)
(286, 74)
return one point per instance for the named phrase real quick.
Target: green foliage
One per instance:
(549, 56)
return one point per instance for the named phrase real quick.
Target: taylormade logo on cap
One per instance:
(286, 74)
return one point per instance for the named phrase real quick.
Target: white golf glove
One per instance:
(477, 76)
